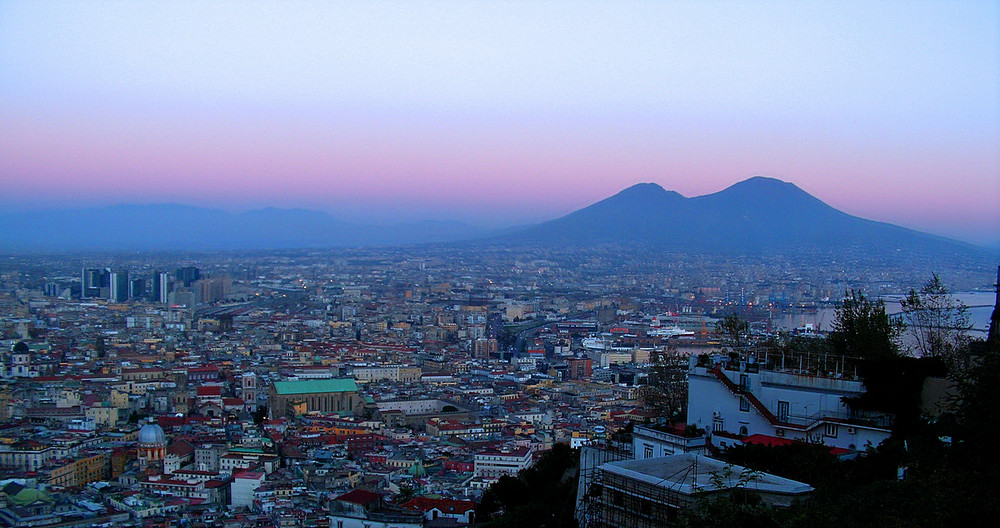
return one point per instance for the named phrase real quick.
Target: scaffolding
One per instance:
(612, 500)
(592, 457)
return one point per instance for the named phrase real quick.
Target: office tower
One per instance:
(119, 286)
(186, 275)
(52, 289)
(94, 282)
(136, 288)
(161, 287)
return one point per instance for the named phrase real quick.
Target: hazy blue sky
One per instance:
(502, 112)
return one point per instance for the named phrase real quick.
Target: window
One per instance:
(717, 425)
(744, 382)
(830, 430)
(744, 404)
(647, 451)
(744, 431)
(617, 498)
(782, 411)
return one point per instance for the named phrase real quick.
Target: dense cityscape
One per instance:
(494, 264)
(396, 386)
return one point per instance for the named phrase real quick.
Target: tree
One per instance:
(406, 492)
(260, 415)
(939, 324)
(862, 329)
(739, 507)
(667, 390)
(734, 331)
(543, 495)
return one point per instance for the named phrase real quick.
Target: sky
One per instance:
(500, 113)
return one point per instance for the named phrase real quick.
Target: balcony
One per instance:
(681, 442)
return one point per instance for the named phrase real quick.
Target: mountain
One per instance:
(752, 216)
(639, 212)
(755, 215)
(168, 227)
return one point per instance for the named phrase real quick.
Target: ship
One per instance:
(673, 331)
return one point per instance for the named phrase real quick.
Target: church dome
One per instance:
(152, 434)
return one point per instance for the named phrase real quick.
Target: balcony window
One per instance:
(782, 411)
(830, 430)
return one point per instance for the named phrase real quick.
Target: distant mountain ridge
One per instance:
(755, 215)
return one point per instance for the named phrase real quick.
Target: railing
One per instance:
(803, 421)
(736, 389)
(670, 438)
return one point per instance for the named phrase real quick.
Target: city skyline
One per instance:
(501, 114)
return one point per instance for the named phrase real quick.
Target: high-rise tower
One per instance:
(119, 286)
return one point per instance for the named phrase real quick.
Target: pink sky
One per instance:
(494, 117)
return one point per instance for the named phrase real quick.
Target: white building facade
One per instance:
(495, 463)
(743, 401)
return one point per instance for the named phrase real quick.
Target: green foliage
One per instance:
(976, 424)
(667, 391)
(939, 324)
(623, 435)
(406, 492)
(542, 495)
(693, 431)
(864, 491)
(863, 330)
(734, 331)
(953, 470)
(797, 461)
(738, 507)
(506, 338)
(894, 385)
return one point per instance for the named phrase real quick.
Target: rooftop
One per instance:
(689, 474)
(315, 386)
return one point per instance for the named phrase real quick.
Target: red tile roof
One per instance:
(774, 441)
(361, 497)
(210, 391)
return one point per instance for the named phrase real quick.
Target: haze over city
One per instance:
(502, 113)
(415, 264)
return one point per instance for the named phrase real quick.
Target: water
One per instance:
(980, 309)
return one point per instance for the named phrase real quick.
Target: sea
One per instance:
(980, 308)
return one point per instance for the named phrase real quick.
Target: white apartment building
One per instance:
(495, 463)
(742, 400)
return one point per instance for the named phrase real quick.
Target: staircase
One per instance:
(754, 402)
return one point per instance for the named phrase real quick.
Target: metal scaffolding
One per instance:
(616, 501)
